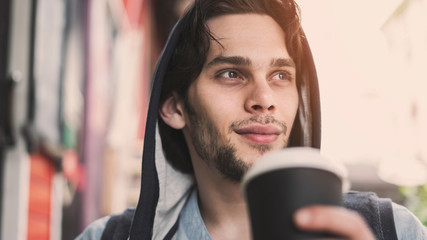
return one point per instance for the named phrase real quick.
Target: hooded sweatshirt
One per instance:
(164, 190)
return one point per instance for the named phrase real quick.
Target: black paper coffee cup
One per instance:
(281, 182)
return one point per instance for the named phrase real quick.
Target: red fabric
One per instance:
(39, 209)
(145, 83)
(135, 10)
(73, 171)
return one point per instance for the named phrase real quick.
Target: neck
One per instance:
(222, 206)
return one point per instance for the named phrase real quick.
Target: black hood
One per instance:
(155, 217)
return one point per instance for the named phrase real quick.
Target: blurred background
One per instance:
(75, 78)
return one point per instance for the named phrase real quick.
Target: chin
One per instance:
(251, 158)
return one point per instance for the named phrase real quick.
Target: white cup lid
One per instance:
(296, 157)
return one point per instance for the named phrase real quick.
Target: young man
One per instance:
(236, 80)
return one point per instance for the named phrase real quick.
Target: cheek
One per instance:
(288, 105)
(221, 110)
(221, 113)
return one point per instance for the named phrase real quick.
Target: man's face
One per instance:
(244, 101)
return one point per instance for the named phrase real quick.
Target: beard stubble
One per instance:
(211, 146)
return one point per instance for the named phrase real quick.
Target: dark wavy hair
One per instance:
(190, 55)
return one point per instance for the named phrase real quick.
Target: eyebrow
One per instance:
(242, 61)
(234, 60)
(282, 62)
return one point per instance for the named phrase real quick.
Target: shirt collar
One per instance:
(191, 225)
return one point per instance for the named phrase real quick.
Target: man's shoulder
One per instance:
(378, 212)
(110, 227)
(408, 226)
(352, 195)
(385, 217)
(94, 230)
(366, 201)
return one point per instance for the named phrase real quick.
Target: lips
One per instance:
(260, 134)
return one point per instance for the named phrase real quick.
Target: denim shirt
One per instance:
(191, 226)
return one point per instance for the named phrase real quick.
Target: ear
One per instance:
(172, 112)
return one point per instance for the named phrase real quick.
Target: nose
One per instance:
(260, 99)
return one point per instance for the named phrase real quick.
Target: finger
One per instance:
(335, 220)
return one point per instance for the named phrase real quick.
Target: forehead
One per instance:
(248, 34)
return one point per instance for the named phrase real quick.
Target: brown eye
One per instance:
(230, 74)
(281, 76)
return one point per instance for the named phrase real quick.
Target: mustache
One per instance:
(260, 119)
